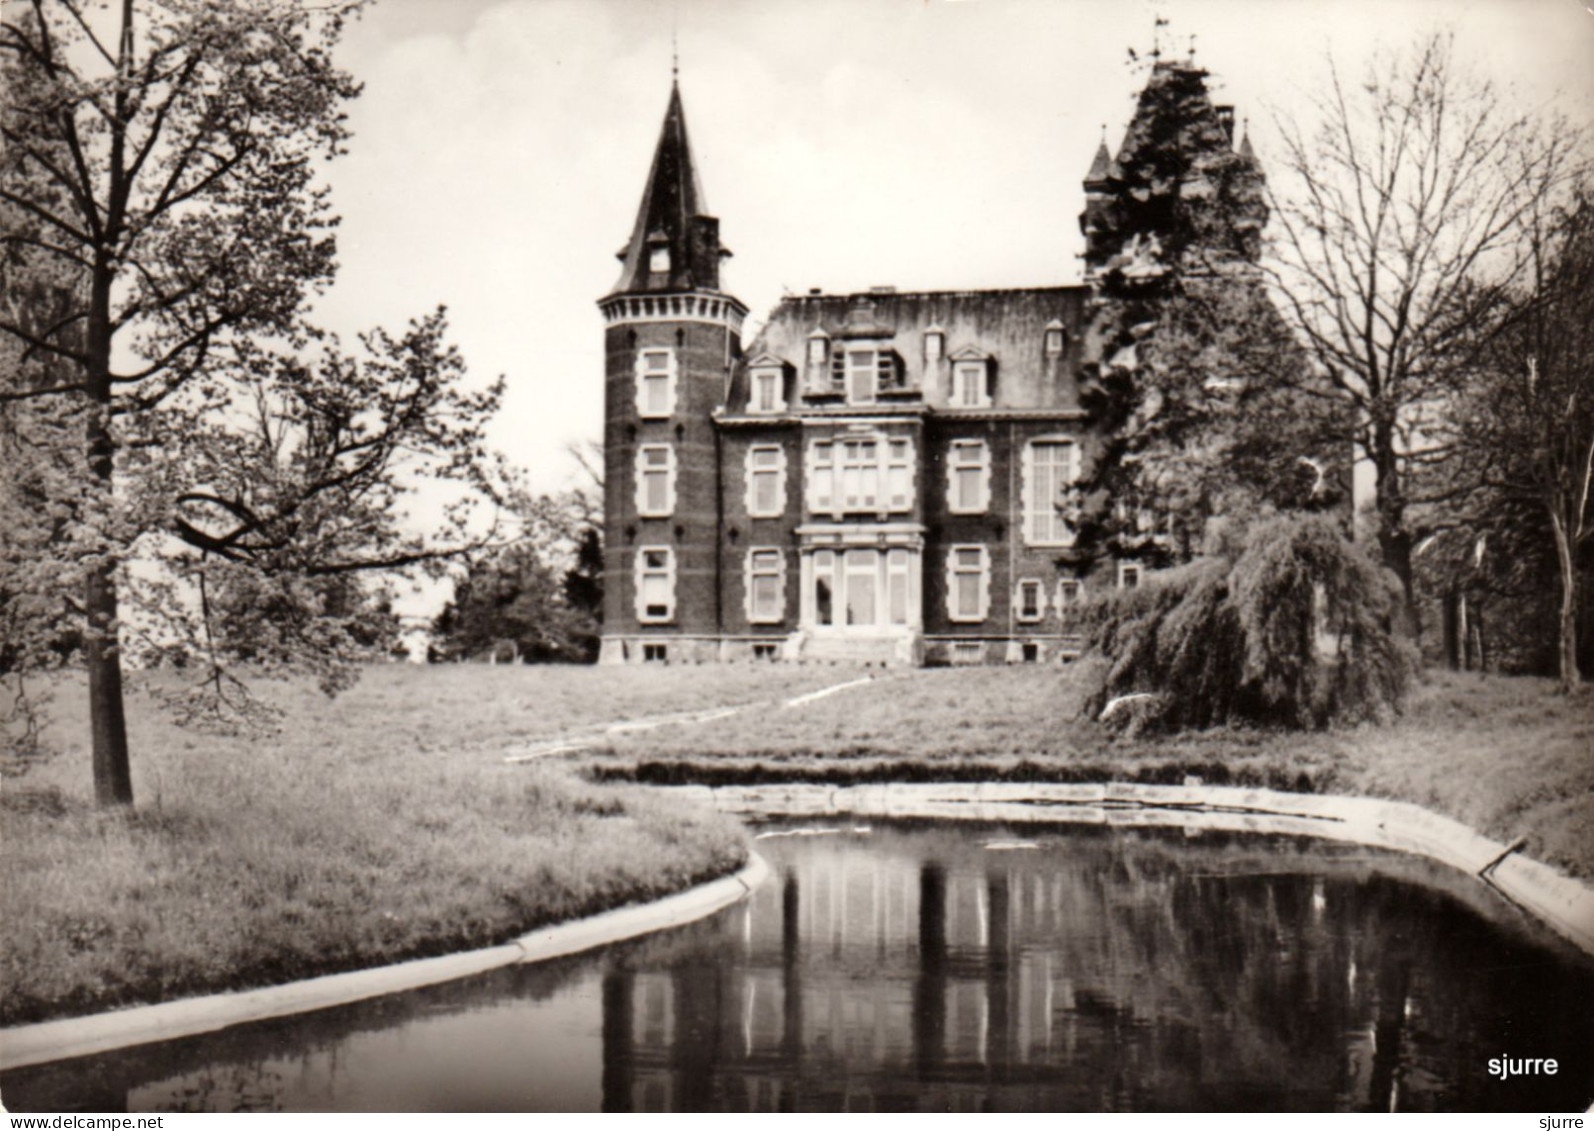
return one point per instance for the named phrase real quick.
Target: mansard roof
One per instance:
(673, 216)
(1007, 326)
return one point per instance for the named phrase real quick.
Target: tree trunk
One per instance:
(1454, 631)
(1566, 644)
(1394, 541)
(113, 779)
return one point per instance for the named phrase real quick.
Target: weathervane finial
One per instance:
(675, 55)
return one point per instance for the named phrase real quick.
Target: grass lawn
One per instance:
(377, 826)
(1508, 756)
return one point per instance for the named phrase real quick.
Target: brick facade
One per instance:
(878, 476)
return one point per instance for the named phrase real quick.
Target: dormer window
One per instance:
(861, 373)
(971, 384)
(1055, 339)
(659, 260)
(767, 390)
(862, 377)
(818, 348)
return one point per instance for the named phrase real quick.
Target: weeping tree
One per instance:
(1287, 624)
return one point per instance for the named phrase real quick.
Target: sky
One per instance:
(501, 147)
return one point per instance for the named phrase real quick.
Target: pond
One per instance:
(925, 966)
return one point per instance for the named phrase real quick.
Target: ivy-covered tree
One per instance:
(1208, 402)
(165, 160)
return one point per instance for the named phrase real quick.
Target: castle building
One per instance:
(880, 476)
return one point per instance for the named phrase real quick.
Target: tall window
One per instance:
(968, 477)
(864, 588)
(971, 384)
(655, 382)
(968, 583)
(934, 345)
(899, 476)
(1054, 340)
(655, 480)
(1049, 467)
(1029, 601)
(1129, 575)
(824, 565)
(766, 586)
(901, 586)
(767, 394)
(766, 481)
(1069, 592)
(868, 473)
(655, 584)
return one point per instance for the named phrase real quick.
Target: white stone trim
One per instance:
(1139, 571)
(750, 494)
(707, 308)
(753, 616)
(952, 466)
(952, 573)
(672, 379)
(642, 472)
(640, 572)
(1030, 504)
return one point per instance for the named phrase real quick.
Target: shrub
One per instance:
(1291, 627)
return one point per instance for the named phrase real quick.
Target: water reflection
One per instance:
(921, 968)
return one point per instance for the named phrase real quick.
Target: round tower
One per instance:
(670, 339)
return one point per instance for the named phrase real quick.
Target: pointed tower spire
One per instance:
(674, 244)
(1100, 168)
(1245, 143)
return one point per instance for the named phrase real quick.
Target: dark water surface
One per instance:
(940, 966)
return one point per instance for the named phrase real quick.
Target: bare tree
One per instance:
(1524, 427)
(1402, 219)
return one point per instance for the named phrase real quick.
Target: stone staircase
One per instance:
(893, 649)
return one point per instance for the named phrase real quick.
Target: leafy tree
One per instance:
(1287, 624)
(165, 158)
(541, 596)
(1523, 428)
(1403, 217)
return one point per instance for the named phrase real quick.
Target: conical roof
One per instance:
(673, 216)
(1100, 168)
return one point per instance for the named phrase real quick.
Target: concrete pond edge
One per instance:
(1559, 901)
(71, 1037)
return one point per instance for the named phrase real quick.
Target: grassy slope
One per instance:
(377, 826)
(1507, 756)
